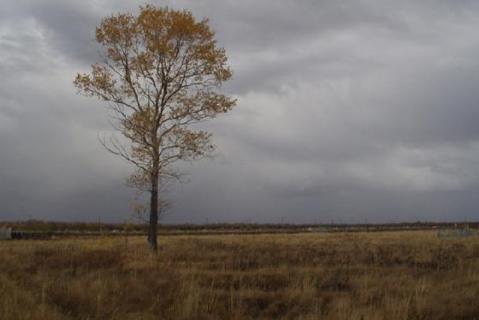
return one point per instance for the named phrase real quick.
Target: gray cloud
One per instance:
(348, 110)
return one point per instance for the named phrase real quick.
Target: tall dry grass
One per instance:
(381, 275)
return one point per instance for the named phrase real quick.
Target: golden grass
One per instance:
(381, 275)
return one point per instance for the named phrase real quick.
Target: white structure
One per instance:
(5, 233)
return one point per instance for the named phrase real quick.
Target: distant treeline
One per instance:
(52, 226)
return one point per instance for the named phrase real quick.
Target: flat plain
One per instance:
(360, 275)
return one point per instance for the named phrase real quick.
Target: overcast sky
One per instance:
(347, 111)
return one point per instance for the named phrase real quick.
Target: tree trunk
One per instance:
(152, 231)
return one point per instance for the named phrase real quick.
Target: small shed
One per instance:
(5, 233)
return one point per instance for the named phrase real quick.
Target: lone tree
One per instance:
(161, 72)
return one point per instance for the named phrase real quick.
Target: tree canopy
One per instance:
(162, 71)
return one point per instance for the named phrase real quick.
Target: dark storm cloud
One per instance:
(69, 27)
(348, 110)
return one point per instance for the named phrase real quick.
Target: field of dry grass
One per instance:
(380, 275)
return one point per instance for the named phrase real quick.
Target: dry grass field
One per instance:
(380, 275)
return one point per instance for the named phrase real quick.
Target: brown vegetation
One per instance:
(380, 275)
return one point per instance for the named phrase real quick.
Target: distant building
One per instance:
(5, 233)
